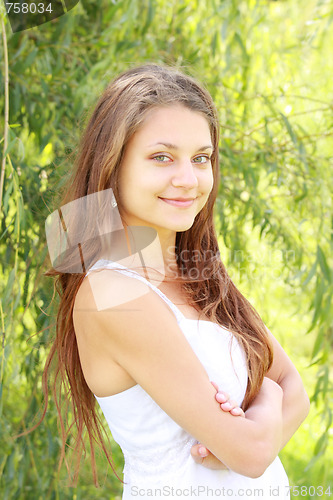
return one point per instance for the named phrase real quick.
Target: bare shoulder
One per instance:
(106, 302)
(105, 289)
(118, 313)
(115, 318)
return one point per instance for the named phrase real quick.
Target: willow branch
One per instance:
(6, 126)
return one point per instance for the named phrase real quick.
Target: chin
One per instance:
(181, 227)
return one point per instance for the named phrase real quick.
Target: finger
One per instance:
(199, 450)
(197, 456)
(222, 397)
(197, 459)
(203, 452)
(237, 412)
(233, 408)
(215, 385)
(209, 461)
(229, 405)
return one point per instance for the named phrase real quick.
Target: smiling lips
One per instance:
(179, 202)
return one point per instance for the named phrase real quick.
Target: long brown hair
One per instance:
(117, 116)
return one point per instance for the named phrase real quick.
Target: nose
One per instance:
(184, 175)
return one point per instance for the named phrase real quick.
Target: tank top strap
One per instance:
(108, 264)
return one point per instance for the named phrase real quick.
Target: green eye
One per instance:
(158, 158)
(204, 158)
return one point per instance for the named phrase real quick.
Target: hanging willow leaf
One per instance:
(311, 274)
(323, 264)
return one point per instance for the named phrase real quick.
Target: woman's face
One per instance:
(166, 174)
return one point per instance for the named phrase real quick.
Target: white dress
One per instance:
(158, 463)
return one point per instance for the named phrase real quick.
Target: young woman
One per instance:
(153, 327)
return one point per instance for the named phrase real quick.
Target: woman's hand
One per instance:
(199, 452)
(226, 405)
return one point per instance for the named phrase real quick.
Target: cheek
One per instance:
(207, 182)
(135, 190)
(206, 186)
(128, 181)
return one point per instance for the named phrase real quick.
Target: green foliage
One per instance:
(268, 66)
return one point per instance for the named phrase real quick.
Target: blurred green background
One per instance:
(268, 65)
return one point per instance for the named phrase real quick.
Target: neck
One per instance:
(143, 248)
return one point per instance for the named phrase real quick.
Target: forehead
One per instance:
(175, 124)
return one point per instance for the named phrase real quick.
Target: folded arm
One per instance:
(295, 403)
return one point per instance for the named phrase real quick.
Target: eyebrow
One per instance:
(173, 146)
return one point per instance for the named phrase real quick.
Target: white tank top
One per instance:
(158, 463)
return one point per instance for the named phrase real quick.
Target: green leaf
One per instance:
(321, 444)
(22, 66)
(149, 18)
(289, 128)
(311, 274)
(323, 264)
(9, 189)
(239, 41)
(10, 146)
(9, 287)
(318, 343)
(319, 292)
(215, 42)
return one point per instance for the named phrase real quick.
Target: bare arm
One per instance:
(295, 404)
(143, 337)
